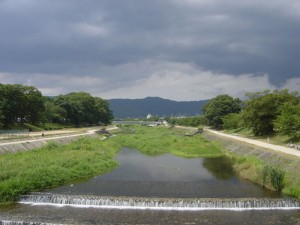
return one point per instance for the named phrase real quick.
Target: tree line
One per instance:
(265, 113)
(21, 104)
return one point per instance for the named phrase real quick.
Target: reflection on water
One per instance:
(168, 176)
(220, 167)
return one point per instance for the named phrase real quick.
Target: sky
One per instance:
(176, 49)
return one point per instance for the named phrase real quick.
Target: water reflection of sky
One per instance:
(135, 166)
(167, 176)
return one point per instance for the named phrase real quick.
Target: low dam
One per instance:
(193, 204)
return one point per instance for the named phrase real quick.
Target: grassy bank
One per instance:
(276, 139)
(55, 164)
(271, 169)
(283, 177)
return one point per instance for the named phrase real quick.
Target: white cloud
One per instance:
(292, 84)
(181, 86)
(171, 80)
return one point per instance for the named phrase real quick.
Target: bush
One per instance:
(273, 177)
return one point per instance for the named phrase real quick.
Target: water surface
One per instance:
(168, 176)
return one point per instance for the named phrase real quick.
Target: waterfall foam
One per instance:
(9, 222)
(191, 204)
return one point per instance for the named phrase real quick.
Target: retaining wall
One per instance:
(30, 145)
(285, 161)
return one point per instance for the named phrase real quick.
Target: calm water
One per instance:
(157, 176)
(168, 176)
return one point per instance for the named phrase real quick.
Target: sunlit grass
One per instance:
(54, 165)
(159, 140)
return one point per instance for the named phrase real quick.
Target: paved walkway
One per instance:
(48, 138)
(279, 148)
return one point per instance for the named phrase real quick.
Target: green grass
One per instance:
(283, 177)
(277, 139)
(160, 140)
(56, 164)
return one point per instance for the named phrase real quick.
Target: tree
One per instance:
(54, 113)
(232, 121)
(219, 107)
(81, 108)
(263, 108)
(20, 103)
(104, 114)
(288, 122)
(34, 104)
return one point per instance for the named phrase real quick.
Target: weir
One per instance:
(82, 201)
(9, 222)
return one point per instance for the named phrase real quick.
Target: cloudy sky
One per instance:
(176, 49)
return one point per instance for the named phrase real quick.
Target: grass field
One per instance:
(159, 140)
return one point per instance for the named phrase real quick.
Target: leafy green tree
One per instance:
(263, 108)
(104, 114)
(288, 122)
(219, 107)
(34, 104)
(81, 108)
(20, 103)
(54, 113)
(232, 121)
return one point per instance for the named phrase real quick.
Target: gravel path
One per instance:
(279, 148)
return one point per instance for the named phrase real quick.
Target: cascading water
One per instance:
(8, 222)
(161, 203)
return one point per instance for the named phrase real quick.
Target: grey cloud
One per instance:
(88, 38)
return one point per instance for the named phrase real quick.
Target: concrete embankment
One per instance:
(244, 149)
(25, 145)
(287, 163)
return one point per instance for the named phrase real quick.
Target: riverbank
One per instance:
(254, 163)
(55, 164)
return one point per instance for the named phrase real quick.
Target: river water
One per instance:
(160, 177)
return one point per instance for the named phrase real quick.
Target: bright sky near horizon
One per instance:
(175, 49)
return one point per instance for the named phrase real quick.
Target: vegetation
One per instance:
(57, 164)
(254, 169)
(18, 102)
(159, 140)
(219, 107)
(288, 122)
(263, 108)
(193, 121)
(265, 113)
(54, 165)
(21, 104)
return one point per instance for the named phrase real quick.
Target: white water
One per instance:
(8, 222)
(161, 203)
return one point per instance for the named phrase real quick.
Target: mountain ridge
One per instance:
(136, 108)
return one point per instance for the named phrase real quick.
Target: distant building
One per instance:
(149, 116)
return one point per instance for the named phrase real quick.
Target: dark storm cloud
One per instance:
(112, 39)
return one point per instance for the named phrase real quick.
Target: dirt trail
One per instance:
(279, 148)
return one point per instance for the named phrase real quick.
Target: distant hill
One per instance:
(135, 108)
